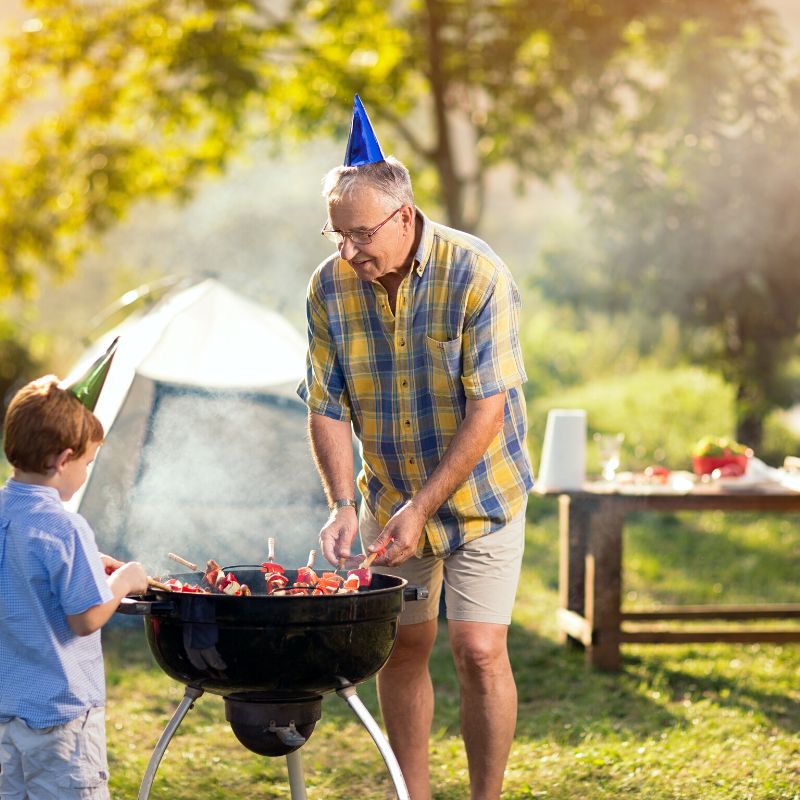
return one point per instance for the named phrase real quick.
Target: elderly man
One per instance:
(413, 340)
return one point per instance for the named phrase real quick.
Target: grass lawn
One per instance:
(703, 721)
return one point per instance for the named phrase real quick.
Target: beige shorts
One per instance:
(66, 762)
(480, 578)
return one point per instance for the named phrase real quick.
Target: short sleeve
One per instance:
(491, 352)
(323, 390)
(77, 578)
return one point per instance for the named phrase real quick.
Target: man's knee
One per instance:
(479, 650)
(413, 646)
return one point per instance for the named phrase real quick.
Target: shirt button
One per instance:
(412, 461)
(407, 423)
(402, 343)
(404, 383)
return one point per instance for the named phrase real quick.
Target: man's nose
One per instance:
(347, 249)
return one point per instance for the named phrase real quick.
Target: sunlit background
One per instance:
(638, 171)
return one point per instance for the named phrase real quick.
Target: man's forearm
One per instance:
(481, 424)
(332, 448)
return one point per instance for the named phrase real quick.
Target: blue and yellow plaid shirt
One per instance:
(403, 380)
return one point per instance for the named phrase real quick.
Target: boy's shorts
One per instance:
(66, 762)
(480, 577)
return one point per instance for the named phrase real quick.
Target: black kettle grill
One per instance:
(272, 658)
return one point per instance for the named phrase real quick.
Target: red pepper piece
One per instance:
(306, 576)
(362, 574)
(276, 580)
(352, 583)
(326, 586)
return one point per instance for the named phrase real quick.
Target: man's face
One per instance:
(390, 246)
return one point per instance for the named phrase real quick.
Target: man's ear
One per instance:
(408, 216)
(60, 460)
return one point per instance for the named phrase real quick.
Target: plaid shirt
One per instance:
(403, 379)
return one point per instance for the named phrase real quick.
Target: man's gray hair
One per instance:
(389, 178)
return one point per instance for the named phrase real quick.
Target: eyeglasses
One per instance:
(356, 237)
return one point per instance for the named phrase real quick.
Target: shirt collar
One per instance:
(32, 489)
(423, 254)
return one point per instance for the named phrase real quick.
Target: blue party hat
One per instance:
(362, 144)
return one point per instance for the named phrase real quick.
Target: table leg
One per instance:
(604, 585)
(573, 520)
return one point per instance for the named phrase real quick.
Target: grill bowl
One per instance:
(282, 648)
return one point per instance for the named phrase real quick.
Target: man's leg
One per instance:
(405, 693)
(488, 702)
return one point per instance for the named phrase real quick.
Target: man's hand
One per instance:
(337, 535)
(400, 536)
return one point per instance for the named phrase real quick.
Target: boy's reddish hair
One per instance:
(42, 421)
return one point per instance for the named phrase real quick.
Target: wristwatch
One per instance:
(342, 503)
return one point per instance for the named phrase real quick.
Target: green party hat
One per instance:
(87, 387)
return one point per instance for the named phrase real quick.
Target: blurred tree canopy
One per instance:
(634, 98)
(155, 93)
(693, 214)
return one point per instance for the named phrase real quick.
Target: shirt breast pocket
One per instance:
(444, 366)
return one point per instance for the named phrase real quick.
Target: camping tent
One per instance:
(206, 452)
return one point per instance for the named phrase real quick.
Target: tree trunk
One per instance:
(452, 187)
(751, 409)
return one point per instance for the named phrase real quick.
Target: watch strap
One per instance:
(343, 503)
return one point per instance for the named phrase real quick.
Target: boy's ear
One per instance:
(60, 460)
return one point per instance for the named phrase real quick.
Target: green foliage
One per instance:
(675, 116)
(152, 95)
(19, 361)
(690, 198)
(662, 414)
(779, 440)
(564, 346)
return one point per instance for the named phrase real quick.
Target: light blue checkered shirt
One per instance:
(49, 567)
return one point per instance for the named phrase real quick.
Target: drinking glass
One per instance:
(608, 448)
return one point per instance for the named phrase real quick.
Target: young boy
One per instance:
(54, 598)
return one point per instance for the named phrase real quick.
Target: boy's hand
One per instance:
(130, 577)
(110, 563)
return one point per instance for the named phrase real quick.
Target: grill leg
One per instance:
(348, 694)
(297, 784)
(190, 695)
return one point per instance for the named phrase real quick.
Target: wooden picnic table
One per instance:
(590, 613)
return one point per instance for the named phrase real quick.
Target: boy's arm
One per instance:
(130, 578)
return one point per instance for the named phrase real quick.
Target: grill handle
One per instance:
(143, 608)
(412, 593)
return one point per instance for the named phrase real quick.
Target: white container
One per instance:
(563, 463)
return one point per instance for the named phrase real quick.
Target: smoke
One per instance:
(214, 476)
